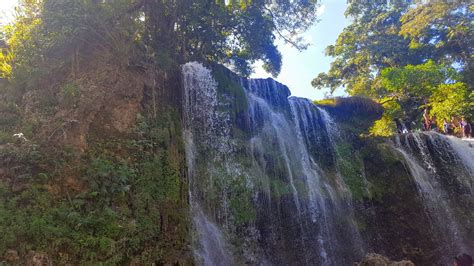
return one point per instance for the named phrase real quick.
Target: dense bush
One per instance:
(124, 205)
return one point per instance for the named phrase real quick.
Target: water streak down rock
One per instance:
(440, 167)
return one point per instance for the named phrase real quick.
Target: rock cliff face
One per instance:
(276, 179)
(126, 166)
(98, 174)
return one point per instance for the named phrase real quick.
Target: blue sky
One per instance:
(299, 68)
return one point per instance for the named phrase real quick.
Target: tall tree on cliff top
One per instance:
(397, 33)
(234, 32)
(371, 43)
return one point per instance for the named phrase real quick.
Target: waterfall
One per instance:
(441, 168)
(315, 124)
(335, 136)
(200, 103)
(269, 178)
(257, 192)
(465, 151)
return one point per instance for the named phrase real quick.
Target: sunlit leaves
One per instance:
(410, 88)
(234, 32)
(6, 58)
(450, 100)
(416, 80)
(442, 25)
(366, 46)
(402, 53)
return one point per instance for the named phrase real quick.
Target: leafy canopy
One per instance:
(154, 32)
(410, 89)
(405, 54)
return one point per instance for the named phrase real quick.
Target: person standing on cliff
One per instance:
(446, 127)
(426, 120)
(465, 128)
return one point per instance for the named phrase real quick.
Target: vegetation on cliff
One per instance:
(98, 171)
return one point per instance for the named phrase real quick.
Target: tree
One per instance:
(407, 55)
(368, 45)
(398, 33)
(164, 33)
(451, 100)
(443, 26)
(410, 89)
(19, 41)
(446, 29)
(237, 33)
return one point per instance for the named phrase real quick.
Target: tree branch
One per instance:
(294, 44)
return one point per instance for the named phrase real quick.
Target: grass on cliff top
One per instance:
(355, 105)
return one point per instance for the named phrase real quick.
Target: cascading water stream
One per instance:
(298, 211)
(334, 136)
(200, 108)
(306, 115)
(419, 151)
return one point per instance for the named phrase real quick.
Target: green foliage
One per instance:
(415, 81)
(444, 27)
(327, 101)
(108, 177)
(29, 127)
(22, 44)
(410, 88)
(131, 197)
(394, 34)
(71, 91)
(32, 219)
(403, 51)
(57, 37)
(355, 106)
(35, 220)
(6, 137)
(384, 127)
(6, 58)
(355, 115)
(369, 44)
(165, 178)
(10, 116)
(351, 167)
(52, 34)
(451, 100)
(241, 201)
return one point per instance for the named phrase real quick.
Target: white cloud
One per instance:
(320, 10)
(7, 9)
